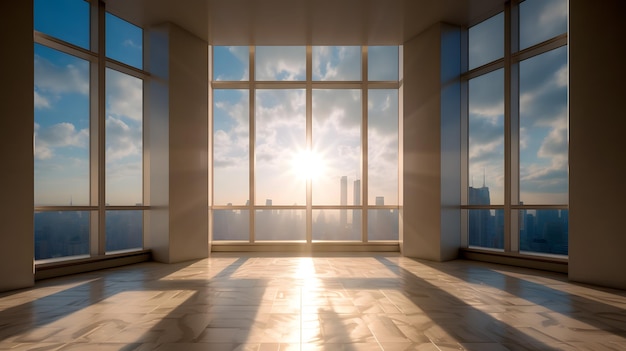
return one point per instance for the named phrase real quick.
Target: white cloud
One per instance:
(41, 102)
(339, 63)
(131, 44)
(124, 95)
(122, 139)
(57, 136)
(71, 78)
(280, 63)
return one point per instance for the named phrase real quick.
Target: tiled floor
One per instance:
(337, 302)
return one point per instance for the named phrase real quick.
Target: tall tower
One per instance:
(343, 201)
(356, 214)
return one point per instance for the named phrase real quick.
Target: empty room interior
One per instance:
(312, 175)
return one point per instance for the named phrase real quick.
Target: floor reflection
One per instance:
(324, 302)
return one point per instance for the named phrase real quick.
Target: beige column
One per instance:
(431, 146)
(177, 142)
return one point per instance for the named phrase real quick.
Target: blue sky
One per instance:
(62, 112)
(62, 122)
(542, 102)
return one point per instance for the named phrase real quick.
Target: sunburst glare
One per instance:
(307, 164)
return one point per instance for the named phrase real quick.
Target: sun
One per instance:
(307, 164)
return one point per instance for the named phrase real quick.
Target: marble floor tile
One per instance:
(276, 302)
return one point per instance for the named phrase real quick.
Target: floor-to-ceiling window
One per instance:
(88, 138)
(517, 130)
(304, 143)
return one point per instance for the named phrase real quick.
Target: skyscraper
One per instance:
(343, 201)
(356, 214)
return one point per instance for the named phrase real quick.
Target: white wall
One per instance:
(431, 159)
(16, 149)
(178, 144)
(597, 232)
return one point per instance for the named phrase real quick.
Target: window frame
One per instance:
(309, 85)
(98, 63)
(510, 63)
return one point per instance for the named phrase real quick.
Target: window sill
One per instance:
(57, 268)
(542, 262)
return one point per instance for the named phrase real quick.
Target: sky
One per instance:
(280, 124)
(62, 107)
(542, 102)
(61, 96)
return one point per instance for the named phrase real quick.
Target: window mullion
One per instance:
(252, 142)
(101, 121)
(364, 145)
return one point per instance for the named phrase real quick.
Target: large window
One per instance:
(517, 130)
(305, 154)
(88, 157)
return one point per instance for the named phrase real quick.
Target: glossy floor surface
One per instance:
(337, 302)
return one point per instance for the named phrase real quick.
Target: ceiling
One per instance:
(298, 22)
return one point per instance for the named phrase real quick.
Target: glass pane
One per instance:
(124, 41)
(382, 63)
(231, 63)
(124, 230)
(231, 137)
(124, 111)
(544, 231)
(280, 63)
(541, 20)
(231, 225)
(382, 224)
(544, 129)
(486, 41)
(336, 145)
(280, 225)
(61, 234)
(486, 139)
(61, 159)
(282, 162)
(486, 228)
(337, 225)
(67, 20)
(336, 63)
(382, 136)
